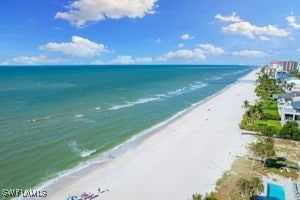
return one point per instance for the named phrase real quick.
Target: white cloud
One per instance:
(232, 18)
(34, 60)
(183, 55)
(292, 21)
(158, 40)
(264, 38)
(82, 11)
(186, 37)
(211, 49)
(180, 45)
(79, 46)
(247, 29)
(131, 60)
(239, 26)
(250, 53)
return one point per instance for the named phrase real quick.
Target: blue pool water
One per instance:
(275, 192)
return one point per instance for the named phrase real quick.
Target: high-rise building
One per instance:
(289, 66)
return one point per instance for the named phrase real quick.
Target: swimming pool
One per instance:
(275, 192)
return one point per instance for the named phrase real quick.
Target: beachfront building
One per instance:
(289, 66)
(289, 106)
(272, 68)
(280, 69)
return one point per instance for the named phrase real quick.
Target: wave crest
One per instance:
(80, 151)
(130, 104)
(193, 86)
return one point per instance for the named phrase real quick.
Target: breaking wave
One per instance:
(130, 104)
(193, 86)
(80, 151)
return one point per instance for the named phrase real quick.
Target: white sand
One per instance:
(185, 157)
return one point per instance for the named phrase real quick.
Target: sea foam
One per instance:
(39, 119)
(80, 151)
(193, 86)
(133, 103)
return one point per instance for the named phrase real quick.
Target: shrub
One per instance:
(289, 130)
(196, 196)
(270, 131)
(210, 196)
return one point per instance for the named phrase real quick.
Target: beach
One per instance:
(186, 156)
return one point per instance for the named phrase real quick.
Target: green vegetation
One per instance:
(236, 183)
(196, 196)
(210, 196)
(290, 131)
(250, 188)
(295, 74)
(270, 104)
(267, 87)
(224, 177)
(263, 116)
(243, 181)
(263, 150)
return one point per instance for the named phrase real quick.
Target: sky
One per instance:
(55, 32)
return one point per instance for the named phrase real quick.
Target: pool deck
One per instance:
(285, 183)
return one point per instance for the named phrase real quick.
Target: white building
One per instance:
(289, 106)
(282, 66)
(289, 66)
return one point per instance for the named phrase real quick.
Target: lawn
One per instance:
(271, 112)
(273, 123)
(270, 105)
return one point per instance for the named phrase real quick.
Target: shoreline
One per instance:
(134, 142)
(86, 166)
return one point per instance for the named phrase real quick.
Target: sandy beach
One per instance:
(186, 156)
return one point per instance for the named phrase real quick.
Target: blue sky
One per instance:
(36, 32)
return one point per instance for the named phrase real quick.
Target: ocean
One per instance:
(60, 119)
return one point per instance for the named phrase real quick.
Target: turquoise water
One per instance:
(55, 118)
(275, 192)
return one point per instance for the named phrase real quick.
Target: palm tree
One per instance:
(243, 187)
(264, 149)
(257, 186)
(256, 111)
(246, 104)
(268, 149)
(248, 189)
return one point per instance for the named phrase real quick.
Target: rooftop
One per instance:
(288, 96)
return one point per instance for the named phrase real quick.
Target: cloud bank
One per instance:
(130, 60)
(250, 53)
(33, 60)
(79, 47)
(81, 12)
(245, 28)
